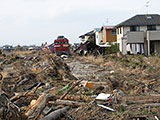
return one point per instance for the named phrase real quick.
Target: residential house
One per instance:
(96, 37)
(139, 34)
(108, 34)
(87, 37)
(87, 42)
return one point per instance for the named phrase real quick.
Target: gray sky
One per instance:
(28, 22)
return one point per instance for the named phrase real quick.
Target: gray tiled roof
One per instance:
(142, 20)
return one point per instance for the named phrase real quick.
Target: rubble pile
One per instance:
(28, 82)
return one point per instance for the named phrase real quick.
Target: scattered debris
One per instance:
(108, 108)
(36, 85)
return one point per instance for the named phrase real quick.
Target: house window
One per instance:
(134, 28)
(113, 31)
(120, 31)
(151, 27)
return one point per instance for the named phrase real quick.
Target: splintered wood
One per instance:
(36, 108)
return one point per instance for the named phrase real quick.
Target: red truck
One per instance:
(61, 46)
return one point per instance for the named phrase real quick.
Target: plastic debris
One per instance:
(103, 96)
(108, 108)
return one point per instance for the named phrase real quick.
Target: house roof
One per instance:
(142, 20)
(87, 34)
(107, 27)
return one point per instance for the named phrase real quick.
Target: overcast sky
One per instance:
(28, 22)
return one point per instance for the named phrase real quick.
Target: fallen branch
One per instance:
(66, 102)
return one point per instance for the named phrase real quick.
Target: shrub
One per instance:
(113, 49)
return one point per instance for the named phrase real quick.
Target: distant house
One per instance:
(108, 34)
(91, 42)
(7, 48)
(139, 34)
(98, 36)
(87, 37)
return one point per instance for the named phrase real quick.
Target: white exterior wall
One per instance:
(126, 29)
(98, 37)
(143, 28)
(121, 37)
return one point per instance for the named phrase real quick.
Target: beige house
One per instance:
(139, 34)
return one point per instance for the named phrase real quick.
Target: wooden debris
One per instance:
(66, 102)
(56, 114)
(151, 105)
(27, 93)
(36, 109)
(77, 98)
(140, 99)
(74, 84)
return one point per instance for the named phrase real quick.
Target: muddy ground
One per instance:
(28, 76)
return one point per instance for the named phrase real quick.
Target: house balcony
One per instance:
(135, 37)
(153, 35)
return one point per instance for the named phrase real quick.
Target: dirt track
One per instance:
(87, 71)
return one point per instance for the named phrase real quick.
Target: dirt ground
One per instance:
(131, 80)
(131, 75)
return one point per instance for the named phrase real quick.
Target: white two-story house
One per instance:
(139, 34)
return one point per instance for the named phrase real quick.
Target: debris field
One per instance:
(39, 86)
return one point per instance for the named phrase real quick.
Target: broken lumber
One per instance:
(36, 109)
(56, 114)
(66, 102)
(19, 95)
(77, 98)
